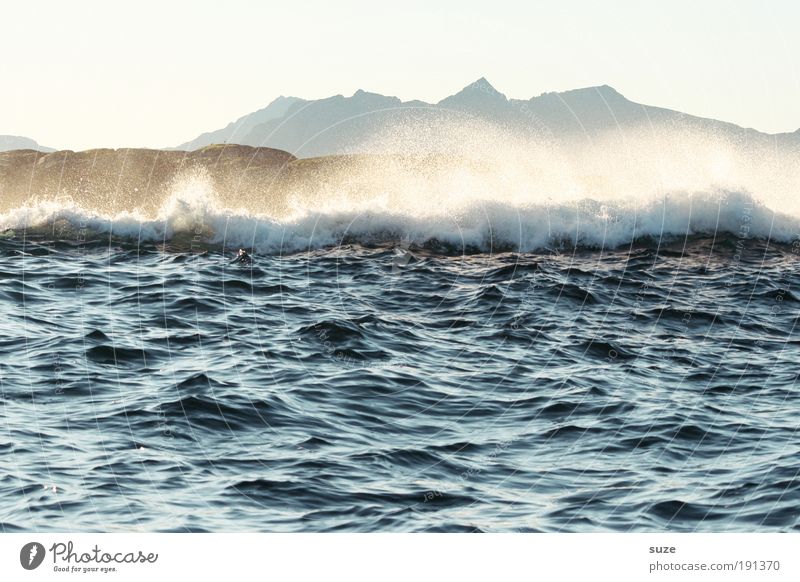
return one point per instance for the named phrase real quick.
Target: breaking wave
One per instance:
(480, 225)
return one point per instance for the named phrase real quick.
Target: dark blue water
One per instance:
(647, 388)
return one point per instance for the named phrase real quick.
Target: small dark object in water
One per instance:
(243, 258)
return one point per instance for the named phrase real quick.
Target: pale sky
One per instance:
(84, 74)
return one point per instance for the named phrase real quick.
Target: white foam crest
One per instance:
(480, 224)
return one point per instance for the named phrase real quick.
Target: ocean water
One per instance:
(572, 367)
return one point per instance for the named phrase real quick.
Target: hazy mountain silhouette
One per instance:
(342, 125)
(236, 131)
(15, 142)
(335, 125)
(478, 98)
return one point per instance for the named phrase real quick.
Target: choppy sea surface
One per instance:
(400, 384)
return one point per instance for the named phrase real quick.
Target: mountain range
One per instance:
(586, 143)
(373, 123)
(365, 121)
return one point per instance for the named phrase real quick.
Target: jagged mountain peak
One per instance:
(480, 90)
(343, 124)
